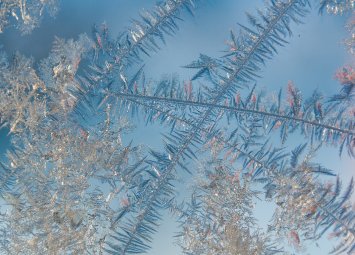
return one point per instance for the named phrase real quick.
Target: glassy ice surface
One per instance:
(126, 130)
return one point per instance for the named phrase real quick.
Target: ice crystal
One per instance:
(27, 13)
(70, 184)
(221, 219)
(337, 7)
(59, 205)
(64, 182)
(350, 41)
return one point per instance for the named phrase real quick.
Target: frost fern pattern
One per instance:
(71, 184)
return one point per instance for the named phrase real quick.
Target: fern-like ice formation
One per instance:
(71, 185)
(169, 103)
(252, 48)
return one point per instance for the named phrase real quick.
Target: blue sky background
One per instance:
(310, 60)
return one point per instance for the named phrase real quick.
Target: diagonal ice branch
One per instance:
(143, 36)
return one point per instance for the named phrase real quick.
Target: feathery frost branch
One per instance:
(324, 125)
(143, 36)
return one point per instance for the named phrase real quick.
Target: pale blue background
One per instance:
(310, 60)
